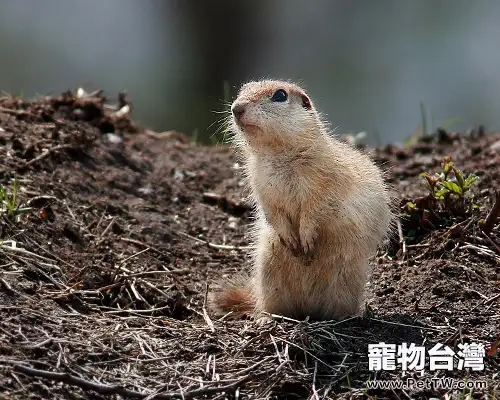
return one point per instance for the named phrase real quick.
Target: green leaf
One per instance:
(3, 195)
(459, 176)
(470, 180)
(452, 187)
(369, 311)
(423, 116)
(441, 193)
(411, 206)
(21, 211)
(447, 169)
(14, 194)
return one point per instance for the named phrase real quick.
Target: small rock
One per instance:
(386, 291)
(115, 139)
(147, 230)
(232, 223)
(178, 175)
(145, 190)
(495, 146)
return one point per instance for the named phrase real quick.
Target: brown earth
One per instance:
(103, 281)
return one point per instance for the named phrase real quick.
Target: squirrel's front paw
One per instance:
(307, 239)
(288, 240)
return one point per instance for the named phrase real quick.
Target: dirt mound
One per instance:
(119, 233)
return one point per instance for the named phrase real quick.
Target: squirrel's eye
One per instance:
(279, 96)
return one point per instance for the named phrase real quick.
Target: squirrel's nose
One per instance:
(238, 110)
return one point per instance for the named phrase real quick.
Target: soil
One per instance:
(104, 279)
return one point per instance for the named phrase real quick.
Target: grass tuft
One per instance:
(8, 202)
(449, 200)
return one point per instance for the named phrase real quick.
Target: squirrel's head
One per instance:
(270, 114)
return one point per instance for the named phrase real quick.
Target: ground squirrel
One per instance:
(321, 207)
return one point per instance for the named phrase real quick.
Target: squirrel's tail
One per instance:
(235, 298)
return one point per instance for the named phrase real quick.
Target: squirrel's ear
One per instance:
(306, 103)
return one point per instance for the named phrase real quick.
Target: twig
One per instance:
(402, 243)
(98, 223)
(254, 366)
(478, 293)
(7, 287)
(282, 317)
(182, 391)
(276, 348)
(205, 314)
(137, 295)
(106, 230)
(315, 393)
(42, 199)
(492, 242)
(14, 247)
(41, 272)
(73, 380)
(142, 244)
(15, 112)
(481, 250)
(431, 328)
(133, 256)
(418, 245)
(308, 353)
(44, 155)
(492, 216)
(118, 389)
(54, 256)
(71, 213)
(395, 394)
(41, 344)
(167, 272)
(492, 299)
(118, 311)
(151, 286)
(217, 246)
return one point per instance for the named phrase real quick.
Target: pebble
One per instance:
(115, 139)
(496, 146)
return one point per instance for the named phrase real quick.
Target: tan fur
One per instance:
(236, 299)
(322, 208)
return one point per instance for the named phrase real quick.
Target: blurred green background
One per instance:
(367, 64)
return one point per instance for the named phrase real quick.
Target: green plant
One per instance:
(369, 311)
(8, 203)
(449, 201)
(464, 394)
(194, 136)
(424, 129)
(451, 187)
(423, 116)
(355, 139)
